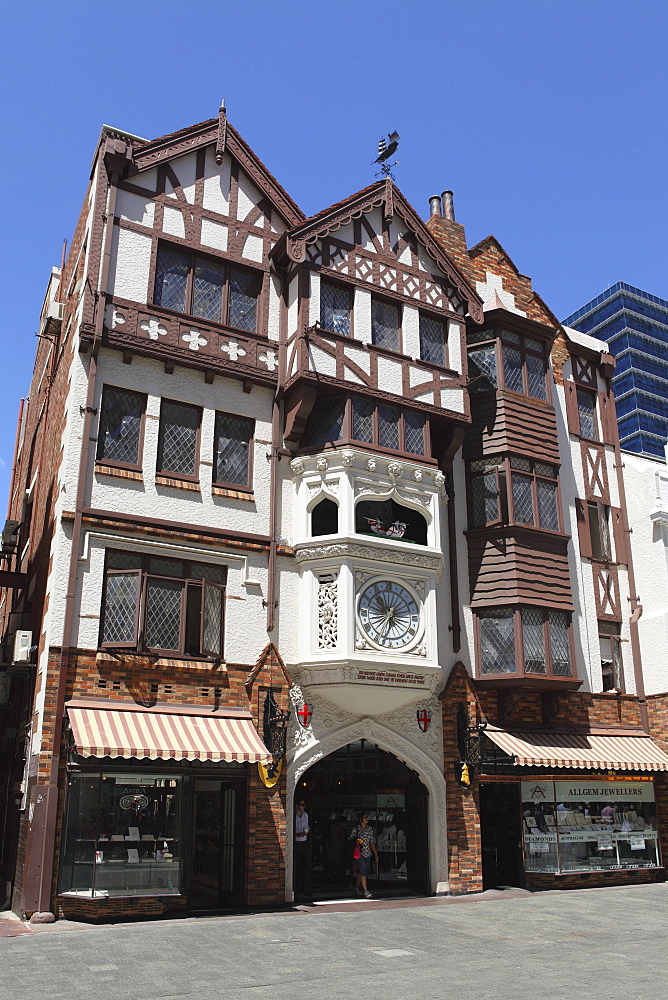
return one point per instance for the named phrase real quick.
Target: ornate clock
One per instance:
(388, 614)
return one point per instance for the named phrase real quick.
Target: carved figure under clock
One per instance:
(389, 614)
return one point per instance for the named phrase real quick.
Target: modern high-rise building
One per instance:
(635, 325)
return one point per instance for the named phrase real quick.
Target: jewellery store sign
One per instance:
(592, 791)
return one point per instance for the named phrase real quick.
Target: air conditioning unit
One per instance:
(22, 644)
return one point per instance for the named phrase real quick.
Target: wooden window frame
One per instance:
(520, 661)
(350, 290)
(592, 393)
(399, 306)
(224, 262)
(225, 484)
(615, 639)
(524, 351)
(505, 502)
(166, 472)
(141, 606)
(446, 340)
(347, 430)
(136, 467)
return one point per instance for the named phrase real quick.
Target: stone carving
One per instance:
(194, 340)
(395, 470)
(327, 611)
(153, 327)
(420, 650)
(118, 319)
(322, 464)
(371, 464)
(361, 641)
(417, 475)
(404, 721)
(297, 466)
(439, 480)
(302, 736)
(233, 350)
(361, 578)
(353, 550)
(347, 457)
(409, 495)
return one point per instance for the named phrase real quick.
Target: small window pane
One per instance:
(559, 645)
(120, 607)
(512, 369)
(363, 419)
(242, 310)
(477, 336)
(534, 345)
(388, 427)
(160, 566)
(536, 377)
(414, 432)
(123, 560)
(548, 516)
(482, 369)
(171, 278)
(207, 571)
(179, 424)
(484, 500)
(385, 325)
(521, 464)
(510, 338)
(497, 642)
(522, 499)
(326, 421)
(432, 340)
(587, 411)
(232, 436)
(335, 308)
(213, 621)
(545, 469)
(208, 282)
(533, 638)
(120, 425)
(163, 614)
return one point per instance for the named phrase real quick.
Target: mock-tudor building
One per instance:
(329, 507)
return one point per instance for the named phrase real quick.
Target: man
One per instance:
(302, 849)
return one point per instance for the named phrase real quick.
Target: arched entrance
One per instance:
(362, 777)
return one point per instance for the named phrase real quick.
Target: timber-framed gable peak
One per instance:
(208, 133)
(489, 257)
(383, 194)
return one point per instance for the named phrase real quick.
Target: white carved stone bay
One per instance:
(347, 550)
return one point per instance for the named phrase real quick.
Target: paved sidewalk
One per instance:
(555, 946)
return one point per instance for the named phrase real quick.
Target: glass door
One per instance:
(216, 872)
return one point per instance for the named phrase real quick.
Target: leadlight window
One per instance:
(522, 360)
(385, 324)
(532, 499)
(335, 418)
(525, 641)
(482, 369)
(599, 529)
(178, 440)
(232, 449)
(163, 605)
(587, 414)
(121, 423)
(335, 308)
(433, 340)
(212, 290)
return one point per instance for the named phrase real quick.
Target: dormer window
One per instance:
(335, 308)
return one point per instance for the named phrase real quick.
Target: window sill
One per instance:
(224, 491)
(101, 469)
(528, 681)
(177, 484)
(105, 656)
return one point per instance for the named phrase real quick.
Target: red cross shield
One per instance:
(304, 714)
(423, 719)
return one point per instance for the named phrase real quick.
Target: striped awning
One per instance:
(165, 733)
(635, 752)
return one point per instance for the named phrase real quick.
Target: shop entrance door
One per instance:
(216, 872)
(360, 777)
(501, 833)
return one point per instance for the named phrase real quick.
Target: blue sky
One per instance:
(546, 119)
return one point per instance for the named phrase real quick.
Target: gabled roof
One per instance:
(148, 154)
(385, 193)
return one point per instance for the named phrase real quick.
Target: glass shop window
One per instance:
(122, 836)
(585, 826)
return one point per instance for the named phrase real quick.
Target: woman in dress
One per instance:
(364, 839)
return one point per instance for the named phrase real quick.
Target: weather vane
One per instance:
(386, 149)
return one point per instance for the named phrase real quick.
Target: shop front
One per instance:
(570, 809)
(155, 809)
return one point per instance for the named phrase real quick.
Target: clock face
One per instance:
(389, 614)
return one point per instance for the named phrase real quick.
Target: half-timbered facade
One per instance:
(328, 507)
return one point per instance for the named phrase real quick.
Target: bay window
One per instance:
(358, 419)
(162, 605)
(514, 490)
(510, 361)
(524, 641)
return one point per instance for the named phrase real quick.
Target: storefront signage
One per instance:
(596, 791)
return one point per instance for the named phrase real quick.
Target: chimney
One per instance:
(448, 233)
(448, 206)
